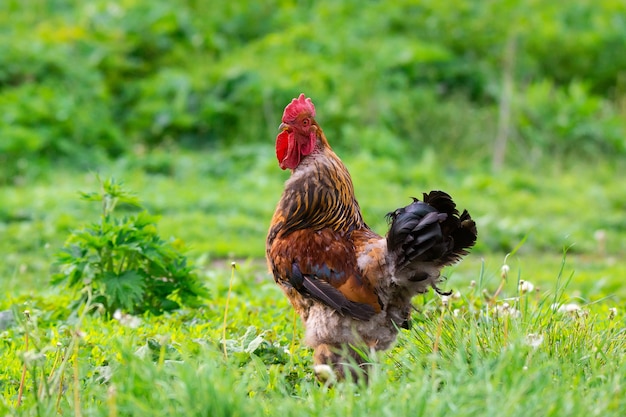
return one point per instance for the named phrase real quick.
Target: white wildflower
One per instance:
(504, 271)
(525, 286)
(127, 319)
(612, 313)
(505, 309)
(534, 340)
(445, 300)
(472, 283)
(572, 309)
(567, 308)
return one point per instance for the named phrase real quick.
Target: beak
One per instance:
(283, 127)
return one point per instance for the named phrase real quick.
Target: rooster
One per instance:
(351, 287)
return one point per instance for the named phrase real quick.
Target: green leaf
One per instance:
(124, 291)
(90, 196)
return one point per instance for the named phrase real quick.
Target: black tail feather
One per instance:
(430, 231)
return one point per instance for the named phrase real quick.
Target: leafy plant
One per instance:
(122, 261)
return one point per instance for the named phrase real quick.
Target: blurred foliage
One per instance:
(83, 81)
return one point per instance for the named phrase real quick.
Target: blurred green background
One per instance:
(517, 108)
(105, 78)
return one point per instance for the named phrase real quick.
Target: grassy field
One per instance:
(483, 352)
(180, 100)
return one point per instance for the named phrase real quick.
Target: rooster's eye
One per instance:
(305, 122)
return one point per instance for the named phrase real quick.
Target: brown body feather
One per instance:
(351, 286)
(313, 228)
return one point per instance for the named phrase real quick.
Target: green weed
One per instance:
(123, 263)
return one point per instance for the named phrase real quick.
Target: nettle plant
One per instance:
(121, 263)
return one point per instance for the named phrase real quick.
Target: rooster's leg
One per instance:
(337, 362)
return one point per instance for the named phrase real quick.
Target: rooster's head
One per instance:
(298, 132)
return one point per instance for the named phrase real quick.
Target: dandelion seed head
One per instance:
(505, 309)
(445, 300)
(566, 308)
(534, 340)
(525, 286)
(504, 271)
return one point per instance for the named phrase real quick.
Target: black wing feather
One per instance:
(315, 287)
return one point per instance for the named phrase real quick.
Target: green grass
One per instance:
(468, 358)
(540, 363)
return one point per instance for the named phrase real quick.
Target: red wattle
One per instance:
(281, 145)
(287, 151)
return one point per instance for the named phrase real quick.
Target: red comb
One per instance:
(297, 106)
